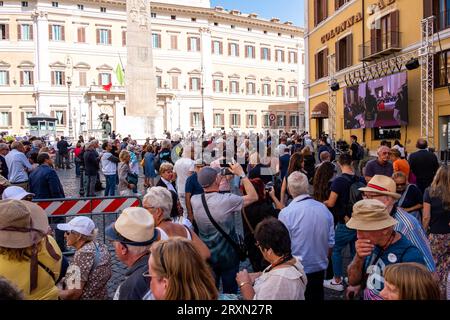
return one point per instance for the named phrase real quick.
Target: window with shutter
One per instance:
(321, 64)
(82, 78)
(81, 34)
(124, 38)
(174, 42)
(320, 11)
(175, 82)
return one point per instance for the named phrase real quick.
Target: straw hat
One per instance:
(370, 215)
(382, 185)
(135, 226)
(22, 224)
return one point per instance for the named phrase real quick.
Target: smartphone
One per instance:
(226, 172)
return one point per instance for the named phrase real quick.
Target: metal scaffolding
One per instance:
(426, 54)
(332, 96)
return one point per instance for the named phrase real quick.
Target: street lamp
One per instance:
(69, 83)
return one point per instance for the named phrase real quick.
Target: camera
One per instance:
(269, 186)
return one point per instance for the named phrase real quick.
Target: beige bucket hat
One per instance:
(370, 215)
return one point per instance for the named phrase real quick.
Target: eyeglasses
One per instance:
(147, 274)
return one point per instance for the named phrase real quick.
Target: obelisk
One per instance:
(140, 78)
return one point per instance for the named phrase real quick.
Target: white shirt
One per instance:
(311, 228)
(182, 168)
(281, 284)
(169, 185)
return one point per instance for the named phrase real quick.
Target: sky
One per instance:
(285, 10)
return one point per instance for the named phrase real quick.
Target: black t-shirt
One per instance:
(354, 148)
(341, 185)
(440, 217)
(412, 198)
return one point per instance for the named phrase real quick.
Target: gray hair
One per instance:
(4, 146)
(297, 184)
(159, 197)
(37, 143)
(90, 237)
(138, 250)
(166, 143)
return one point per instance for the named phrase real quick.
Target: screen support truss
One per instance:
(332, 95)
(426, 54)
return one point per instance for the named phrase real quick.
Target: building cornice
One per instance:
(217, 15)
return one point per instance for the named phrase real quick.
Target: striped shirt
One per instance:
(410, 227)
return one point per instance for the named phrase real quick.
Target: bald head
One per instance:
(422, 144)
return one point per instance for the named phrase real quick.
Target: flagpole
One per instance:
(121, 64)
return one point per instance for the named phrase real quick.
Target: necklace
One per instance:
(279, 261)
(389, 241)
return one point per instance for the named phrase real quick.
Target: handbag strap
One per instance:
(244, 214)
(216, 225)
(43, 266)
(403, 197)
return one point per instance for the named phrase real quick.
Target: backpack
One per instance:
(157, 162)
(359, 152)
(332, 153)
(354, 195)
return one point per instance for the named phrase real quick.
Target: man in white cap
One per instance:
(132, 235)
(17, 193)
(378, 246)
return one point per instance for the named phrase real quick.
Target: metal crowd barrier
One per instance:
(106, 209)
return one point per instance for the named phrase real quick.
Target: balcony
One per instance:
(443, 22)
(380, 44)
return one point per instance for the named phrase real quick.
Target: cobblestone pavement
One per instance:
(71, 186)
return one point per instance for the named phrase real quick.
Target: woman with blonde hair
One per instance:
(436, 220)
(409, 281)
(124, 171)
(178, 272)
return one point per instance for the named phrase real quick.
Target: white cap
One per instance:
(15, 192)
(82, 225)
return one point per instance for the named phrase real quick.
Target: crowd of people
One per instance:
(287, 208)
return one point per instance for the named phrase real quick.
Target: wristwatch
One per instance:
(243, 284)
(242, 176)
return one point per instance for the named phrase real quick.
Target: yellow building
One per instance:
(374, 54)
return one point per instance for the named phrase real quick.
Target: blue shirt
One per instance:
(17, 164)
(413, 231)
(311, 228)
(192, 185)
(45, 183)
(401, 251)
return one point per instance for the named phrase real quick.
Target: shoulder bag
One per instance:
(239, 246)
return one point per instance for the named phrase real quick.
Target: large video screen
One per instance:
(378, 103)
